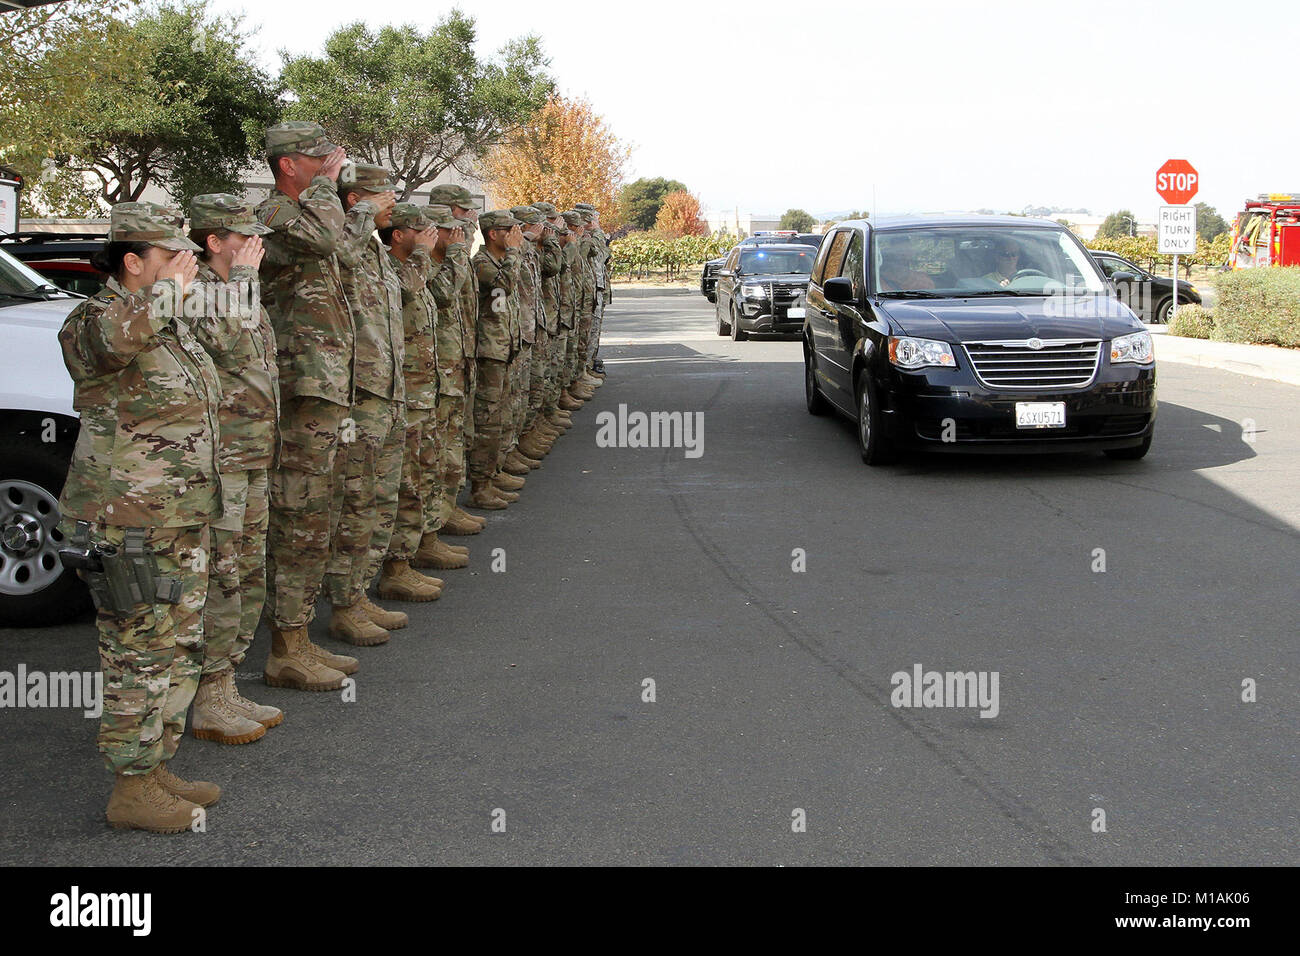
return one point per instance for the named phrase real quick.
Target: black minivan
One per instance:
(974, 333)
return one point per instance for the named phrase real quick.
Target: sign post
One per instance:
(1177, 181)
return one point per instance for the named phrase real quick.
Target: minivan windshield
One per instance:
(17, 279)
(776, 261)
(981, 260)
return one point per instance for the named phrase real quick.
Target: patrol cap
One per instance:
(449, 194)
(407, 215)
(546, 209)
(367, 176)
(527, 215)
(297, 136)
(573, 217)
(497, 219)
(561, 229)
(147, 222)
(588, 215)
(584, 206)
(440, 216)
(225, 211)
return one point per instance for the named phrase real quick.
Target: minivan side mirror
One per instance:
(838, 289)
(1122, 275)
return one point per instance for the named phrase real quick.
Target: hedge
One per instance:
(1193, 322)
(1258, 306)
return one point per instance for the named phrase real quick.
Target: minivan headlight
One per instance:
(1134, 348)
(909, 353)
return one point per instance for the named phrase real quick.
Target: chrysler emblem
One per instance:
(1034, 344)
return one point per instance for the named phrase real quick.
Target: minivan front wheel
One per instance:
(872, 443)
(817, 404)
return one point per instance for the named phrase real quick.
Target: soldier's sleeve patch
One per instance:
(279, 213)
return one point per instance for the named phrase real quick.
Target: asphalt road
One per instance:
(522, 690)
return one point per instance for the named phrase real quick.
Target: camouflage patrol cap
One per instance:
(584, 205)
(367, 176)
(588, 215)
(225, 211)
(497, 219)
(440, 216)
(407, 215)
(546, 209)
(573, 217)
(527, 215)
(561, 229)
(297, 136)
(449, 194)
(147, 222)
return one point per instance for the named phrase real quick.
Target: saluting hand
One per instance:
(334, 163)
(250, 253)
(427, 238)
(385, 201)
(457, 235)
(181, 268)
(514, 238)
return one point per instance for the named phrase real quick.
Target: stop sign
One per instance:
(1177, 181)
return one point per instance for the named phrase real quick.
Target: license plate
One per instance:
(794, 313)
(1040, 414)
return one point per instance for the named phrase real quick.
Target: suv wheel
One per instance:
(723, 328)
(873, 445)
(737, 333)
(35, 590)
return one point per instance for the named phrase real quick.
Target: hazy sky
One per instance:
(934, 105)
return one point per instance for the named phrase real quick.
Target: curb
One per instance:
(641, 292)
(1257, 361)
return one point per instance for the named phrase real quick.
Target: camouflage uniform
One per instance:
(303, 294)
(570, 293)
(145, 458)
(532, 320)
(552, 261)
(417, 494)
(455, 363)
(498, 342)
(369, 473)
(449, 194)
(600, 267)
(242, 346)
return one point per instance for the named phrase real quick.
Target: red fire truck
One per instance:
(1267, 232)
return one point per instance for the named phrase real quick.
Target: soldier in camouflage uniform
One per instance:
(570, 284)
(601, 266)
(233, 328)
(586, 303)
(303, 295)
(449, 263)
(532, 441)
(552, 281)
(497, 265)
(372, 469)
(461, 203)
(144, 479)
(593, 249)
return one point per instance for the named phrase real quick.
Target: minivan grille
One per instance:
(1060, 363)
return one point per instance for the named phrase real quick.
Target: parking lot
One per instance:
(769, 589)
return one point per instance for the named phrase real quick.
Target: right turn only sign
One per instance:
(1176, 230)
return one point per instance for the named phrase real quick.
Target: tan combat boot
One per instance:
(581, 392)
(536, 451)
(294, 663)
(507, 496)
(514, 464)
(507, 482)
(388, 620)
(340, 662)
(435, 554)
(460, 526)
(460, 512)
(215, 717)
(198, 792)
(590, 380)
(400, 582)
(139, 802)
(532, 463)
(264, 714)
(560, 420)
(484, 495)
(352, 625)
(569, 403)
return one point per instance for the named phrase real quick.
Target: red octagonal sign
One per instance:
(1177, 182)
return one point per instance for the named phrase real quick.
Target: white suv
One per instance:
(37, 430)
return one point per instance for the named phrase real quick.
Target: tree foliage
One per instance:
(171, 98)
(679, 215)
(1209, 224)
(1141, 251)
(639, 201)
(418, 102)
(1117, 224)
(798, 220)
(641, 252)
(566, 154)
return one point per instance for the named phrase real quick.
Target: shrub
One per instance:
(1260, 306)
(1193, 322)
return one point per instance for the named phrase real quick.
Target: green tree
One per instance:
(416, 102)
(798, 220)
(639, 201)
(1209, 224)
(186, 112)
(1122, 223)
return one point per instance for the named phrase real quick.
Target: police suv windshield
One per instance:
(981, 260)
(774, 261)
